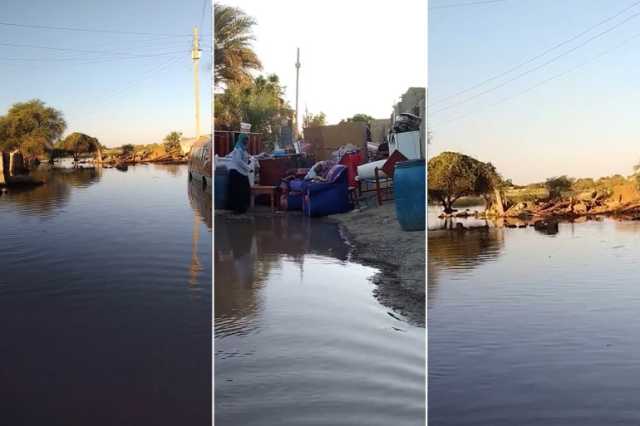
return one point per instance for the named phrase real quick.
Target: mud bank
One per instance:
(377, 240)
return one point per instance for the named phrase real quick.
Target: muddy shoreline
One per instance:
(378, 241)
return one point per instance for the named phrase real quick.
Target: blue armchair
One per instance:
(330, 197)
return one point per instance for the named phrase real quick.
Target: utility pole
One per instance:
(297, 86)
(195, 56)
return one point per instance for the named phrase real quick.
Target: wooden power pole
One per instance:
(297, 87)
(195, 56)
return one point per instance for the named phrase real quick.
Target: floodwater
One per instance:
(528, 328)
(299, 337)
(105, 299)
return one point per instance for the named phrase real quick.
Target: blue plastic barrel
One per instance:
(221, 183)
(409, 188)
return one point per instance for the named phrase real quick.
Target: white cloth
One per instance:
(239, 161)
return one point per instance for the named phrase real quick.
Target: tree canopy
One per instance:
(452, 175)
(260, 103)
(172, 142)
(314, 120)
(359, 118)
(557, 185)
(235, 58)
(78, 143)
(31, 127)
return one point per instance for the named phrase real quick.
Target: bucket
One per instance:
(221, 182)
(409, 188)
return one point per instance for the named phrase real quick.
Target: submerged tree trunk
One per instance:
(500, 206)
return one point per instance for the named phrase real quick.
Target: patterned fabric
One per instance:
(334, 172)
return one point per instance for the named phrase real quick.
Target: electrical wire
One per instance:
(529, 71)
(470, 3)
(110, 52)
(538, 56)
(547, 80)
(91, 30)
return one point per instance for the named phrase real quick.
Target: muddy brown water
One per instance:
(528, 328)
(300, 338)
(105, 299)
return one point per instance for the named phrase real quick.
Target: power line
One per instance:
(101, 102)
(77, 59)
(205, 3)
(109, 52)
(529, 71)
(545, 81)
(536, 57)
(89, 30)
(470, 3)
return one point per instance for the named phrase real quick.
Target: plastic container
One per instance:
(352, 160)
(367, 171)
(409, 188)
(221, 183)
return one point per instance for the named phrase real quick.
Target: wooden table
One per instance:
(271, 191)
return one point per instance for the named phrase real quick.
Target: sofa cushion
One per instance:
(335, 172)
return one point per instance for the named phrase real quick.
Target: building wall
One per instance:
(414, 102)
(326, 139)
(379, 129)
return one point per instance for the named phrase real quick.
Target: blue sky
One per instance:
(576, 115)
(102, 89)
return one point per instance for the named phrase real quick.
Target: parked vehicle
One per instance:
(200, 170)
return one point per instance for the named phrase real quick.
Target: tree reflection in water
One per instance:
(47, 199)
(460, 250)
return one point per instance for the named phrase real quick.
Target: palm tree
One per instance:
(234, 56)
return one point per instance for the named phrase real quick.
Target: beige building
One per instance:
(414, 101)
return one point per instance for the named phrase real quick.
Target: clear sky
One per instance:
(356, 56)
(102, 88)
(573, 110)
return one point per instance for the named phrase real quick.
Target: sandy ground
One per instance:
(378, 241)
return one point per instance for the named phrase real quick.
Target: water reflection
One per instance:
(94, 273)
(465, 249)
(300, 339)
(202, 211)
(248, 249)
(46, 199)
(515, 340)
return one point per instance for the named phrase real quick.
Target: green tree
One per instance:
(235, 58)
(557, 185)
(127, 148)
(172, 142)
(33, 146)
(78, 143)
(584, 184)
(314, 120)
(452, 175)
(260, 103)
(359, 118)
(32, 126)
